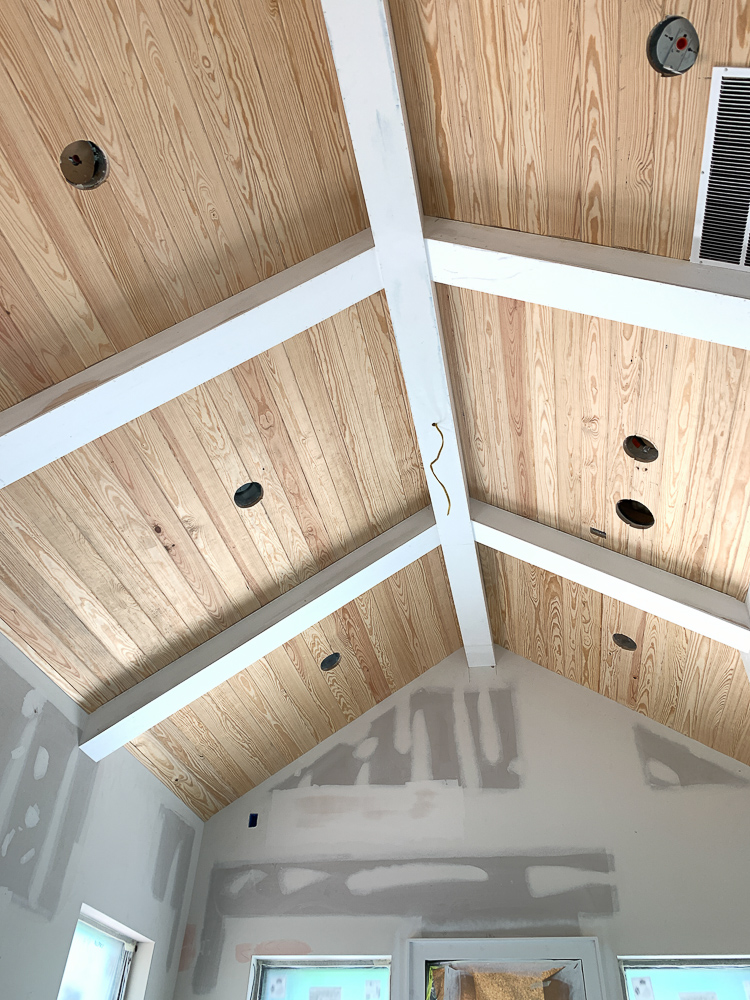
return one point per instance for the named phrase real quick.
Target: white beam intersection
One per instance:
(365, 63)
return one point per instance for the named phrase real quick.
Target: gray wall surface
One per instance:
(109, 835)
(511, 803)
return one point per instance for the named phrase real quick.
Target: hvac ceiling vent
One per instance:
(722, 220)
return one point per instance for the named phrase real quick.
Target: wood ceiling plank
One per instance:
(267, 715)
(523, 50)
(284, 396)
(638, 87)
(214, 493)
(600, 29)
(119, 452)
(248, 443)
(675, 677)
(98, 480)
(187, 27)
(81, 577)
(111, 546)
(281, 453)
(66, 97)
(382, 357)
(305, 363)
(561, 52)
(176, 775)
(232, 472)
(232, 258)
(606, 381)
(169, 474)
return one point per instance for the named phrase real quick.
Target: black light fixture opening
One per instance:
(248, 495)
(330, 661)
(624, 642)
(635, 514)
(84, 165)
(640, 448)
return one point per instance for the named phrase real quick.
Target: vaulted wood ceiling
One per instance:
(231, 161)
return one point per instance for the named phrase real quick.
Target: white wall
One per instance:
(518, 804)
(72, 832)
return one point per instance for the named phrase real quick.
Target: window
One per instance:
(529, 968)
(98, 964)
(688, 978)
(320, 979)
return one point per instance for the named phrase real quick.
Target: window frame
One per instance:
(567, 949)
(261, 962)
(677, 961)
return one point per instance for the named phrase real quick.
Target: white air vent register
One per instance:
(722, 219)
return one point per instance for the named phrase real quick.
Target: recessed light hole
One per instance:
(640, 448)
(635, 513)
(624, 642)
(248, 495)
(84, 164)
(330, 661)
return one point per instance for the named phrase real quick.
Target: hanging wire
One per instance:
(432, 463)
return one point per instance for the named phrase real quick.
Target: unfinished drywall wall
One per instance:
(72, 832)
(509, 803)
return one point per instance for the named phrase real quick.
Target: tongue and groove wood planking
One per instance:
(546, 117)
(230, 161)
(265, 717)
(546, 399)
(687, 682)
(124, 555)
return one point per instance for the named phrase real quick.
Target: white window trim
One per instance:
(582, 949)
(135, 988)
(261, 962)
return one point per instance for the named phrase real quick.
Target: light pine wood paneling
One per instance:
(278, 708)
(546, 117)
(130, 552)
(230, 161)
(685, 681)
(546, 400)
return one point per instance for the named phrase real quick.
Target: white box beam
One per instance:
(365, 63)
(707, 612)
(179, 683)
(660, 293)
(107, 395)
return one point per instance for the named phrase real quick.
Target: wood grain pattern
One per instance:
(547, 399)
(248, 728)
(687, 682)
(229, 155)
(546, 117)
(130, 552)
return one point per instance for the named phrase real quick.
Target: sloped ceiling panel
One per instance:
(271, 713)
(230, 161)
(547, 399)
(128, 553)
(678, 678)
(546, 116)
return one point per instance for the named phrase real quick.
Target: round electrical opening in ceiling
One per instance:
(635, 513)
(248, 495)
(673, 46)
(640, 448)
(624, 642)
(84, 164)
(330, 661)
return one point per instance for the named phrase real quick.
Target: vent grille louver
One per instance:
(723, 217)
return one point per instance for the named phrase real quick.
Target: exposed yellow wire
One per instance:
(442, 444)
